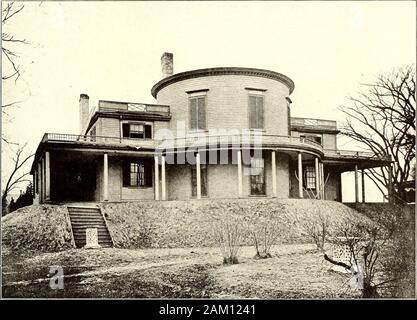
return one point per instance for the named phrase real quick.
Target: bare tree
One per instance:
(9, 54)
(8, 40)
(382, 120)
(17, 175)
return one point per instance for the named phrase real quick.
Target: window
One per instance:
(310, 177)
(137, 130)
(312, 138)
(137, 173)
(257, 176)
(197, 113)
(203, 170)
(256, 112)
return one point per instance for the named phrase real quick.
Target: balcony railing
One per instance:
(314, 123)
(203, 139)
(355, 154)
(185, 142)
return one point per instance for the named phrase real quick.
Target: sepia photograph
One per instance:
(208, 150)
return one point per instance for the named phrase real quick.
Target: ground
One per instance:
(294, 271)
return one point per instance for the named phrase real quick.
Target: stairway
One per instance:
(88, 217)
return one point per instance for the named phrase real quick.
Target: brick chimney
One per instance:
(84, 111)
(167, 63)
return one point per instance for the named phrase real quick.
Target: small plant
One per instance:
(317, 230)
(228, 235)
(264, 231)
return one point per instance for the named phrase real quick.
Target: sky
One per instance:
(111, 51)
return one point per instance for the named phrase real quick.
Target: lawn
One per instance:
(294, 271)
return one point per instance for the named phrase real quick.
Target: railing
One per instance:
(203, 139)
(186, 142)
(354, 154)
(147, 108)
(310, 122)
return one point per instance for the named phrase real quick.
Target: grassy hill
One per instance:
(149, 224)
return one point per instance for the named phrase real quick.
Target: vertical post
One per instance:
(156, 178)
(323, 195)
(198, 171)
(47, 176)
(105, 177)
(40, 177)
(363, 186)
(274, 175)
(300, 175)
(163, 186)
(390, 183)
(356, 184)
(239, 173)
(316, 161)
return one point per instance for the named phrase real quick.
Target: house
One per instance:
(212, 133)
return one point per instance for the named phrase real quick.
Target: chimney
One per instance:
(167, 63)
(84, 111)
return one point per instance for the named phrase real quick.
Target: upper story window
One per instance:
(197, 112)
(312, 138)
(137, 130)
(256, 111)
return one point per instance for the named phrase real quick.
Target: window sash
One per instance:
(257, 177)
(139, 174)
(310, 177)
(197, 113)
(256, 112)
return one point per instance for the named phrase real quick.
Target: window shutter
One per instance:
(252, 112)
(201, 113)
(148, 131)
(193, 113)
(260, 112)
(126, 129)
(126, 173)
(148, 174)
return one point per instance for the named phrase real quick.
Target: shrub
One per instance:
(229, 234)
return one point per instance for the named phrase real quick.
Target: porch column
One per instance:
(40, 184)
(356, 184)
(156, 176)
(163, 186)
(322, 180)
(316, 161)
(300, 175)
(239, 173)
(274, 175)
(363, 186)
(105, 177)
(390, 183)
(47, 176)
(198, 171)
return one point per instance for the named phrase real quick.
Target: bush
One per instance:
(229, 235)
(37, 227)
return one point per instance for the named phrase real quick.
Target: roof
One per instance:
(222, 71)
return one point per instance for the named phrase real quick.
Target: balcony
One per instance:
(192, 141)
(205, 140)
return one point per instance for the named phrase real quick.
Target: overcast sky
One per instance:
(112, 50)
